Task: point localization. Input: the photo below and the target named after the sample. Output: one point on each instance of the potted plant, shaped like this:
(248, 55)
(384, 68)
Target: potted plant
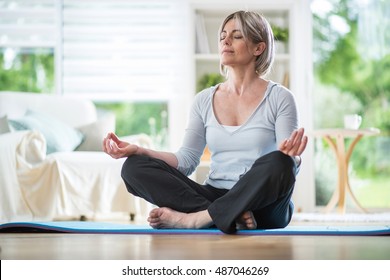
(281, 35)
(208, 80)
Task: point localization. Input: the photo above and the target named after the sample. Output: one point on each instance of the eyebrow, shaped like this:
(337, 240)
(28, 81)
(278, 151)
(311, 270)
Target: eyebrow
(233, 31)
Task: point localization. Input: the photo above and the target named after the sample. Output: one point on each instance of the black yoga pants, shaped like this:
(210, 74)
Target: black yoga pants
(266, 190)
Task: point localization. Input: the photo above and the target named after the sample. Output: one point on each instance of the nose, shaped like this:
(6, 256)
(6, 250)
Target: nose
(226, 41)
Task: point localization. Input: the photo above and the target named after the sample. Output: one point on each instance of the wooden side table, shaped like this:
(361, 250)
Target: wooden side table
(336, 139)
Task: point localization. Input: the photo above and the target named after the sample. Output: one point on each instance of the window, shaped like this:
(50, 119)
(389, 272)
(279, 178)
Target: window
(119, 49)
(107, 51)
(27, 69)
(27, 44)
(352, 56)
(126, 52)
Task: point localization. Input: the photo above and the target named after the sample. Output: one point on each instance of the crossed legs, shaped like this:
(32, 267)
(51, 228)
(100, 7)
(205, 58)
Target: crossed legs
(184, 203)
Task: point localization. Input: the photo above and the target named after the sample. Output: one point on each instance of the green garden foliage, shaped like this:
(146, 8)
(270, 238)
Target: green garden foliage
(363, 82)
(27, 70)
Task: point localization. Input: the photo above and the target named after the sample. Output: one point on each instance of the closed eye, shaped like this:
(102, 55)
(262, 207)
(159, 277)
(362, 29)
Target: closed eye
(236, 35)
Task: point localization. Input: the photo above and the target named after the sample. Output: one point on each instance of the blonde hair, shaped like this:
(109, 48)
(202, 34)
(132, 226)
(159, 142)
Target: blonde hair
(256, 29)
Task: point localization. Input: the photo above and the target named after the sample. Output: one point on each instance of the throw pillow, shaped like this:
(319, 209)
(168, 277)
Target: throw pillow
(60, 137)
(4, 127)
(95, 132)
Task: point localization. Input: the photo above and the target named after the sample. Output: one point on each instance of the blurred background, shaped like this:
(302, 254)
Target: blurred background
(136, 59)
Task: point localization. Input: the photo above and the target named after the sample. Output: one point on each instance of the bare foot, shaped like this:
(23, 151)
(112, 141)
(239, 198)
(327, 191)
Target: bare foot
(165, 217)
(246, 221)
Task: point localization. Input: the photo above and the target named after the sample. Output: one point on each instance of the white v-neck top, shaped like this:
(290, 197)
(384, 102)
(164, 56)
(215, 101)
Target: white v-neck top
(231, 128)
(235, 149)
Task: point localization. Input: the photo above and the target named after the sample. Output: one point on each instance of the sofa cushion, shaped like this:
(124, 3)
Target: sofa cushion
(94, 134)
(4, 127)
(59, 136)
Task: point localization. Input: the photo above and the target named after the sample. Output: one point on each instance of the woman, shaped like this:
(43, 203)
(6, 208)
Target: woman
(250, 126)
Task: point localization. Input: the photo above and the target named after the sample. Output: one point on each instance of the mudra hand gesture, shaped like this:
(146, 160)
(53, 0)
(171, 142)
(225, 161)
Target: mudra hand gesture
(117, 148)
(295, 145)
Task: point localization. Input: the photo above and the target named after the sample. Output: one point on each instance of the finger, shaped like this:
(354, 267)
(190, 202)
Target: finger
(114, 149)
(297, 137)
(303, 145)
(286, 146)
(292, 140)
(115, 138)
(299, 147)
(107, 146)
(106, 141)
(111, 143)
(111, 148)
(292, 137)
(300, 133)
(290, 147)
(282, 145)
(292, 151)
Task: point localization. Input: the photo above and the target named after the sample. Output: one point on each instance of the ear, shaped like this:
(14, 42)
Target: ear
(260, 47)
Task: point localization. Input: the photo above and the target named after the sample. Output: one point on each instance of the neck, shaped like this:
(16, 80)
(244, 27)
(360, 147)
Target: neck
(241, 82)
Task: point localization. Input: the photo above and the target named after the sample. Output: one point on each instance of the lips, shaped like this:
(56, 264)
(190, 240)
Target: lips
(227, 51)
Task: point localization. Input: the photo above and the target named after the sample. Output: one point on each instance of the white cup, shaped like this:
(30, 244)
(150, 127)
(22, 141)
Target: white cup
(352, 121)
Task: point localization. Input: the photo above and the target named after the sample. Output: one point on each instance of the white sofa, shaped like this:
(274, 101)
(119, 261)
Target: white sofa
(52, 165)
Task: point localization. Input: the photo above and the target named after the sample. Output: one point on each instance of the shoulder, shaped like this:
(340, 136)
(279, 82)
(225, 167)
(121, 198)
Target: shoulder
(276, 88)
(279, 92)
(205, 96)
(207, 92)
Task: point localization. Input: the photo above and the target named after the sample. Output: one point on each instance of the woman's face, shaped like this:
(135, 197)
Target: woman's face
(233, 48)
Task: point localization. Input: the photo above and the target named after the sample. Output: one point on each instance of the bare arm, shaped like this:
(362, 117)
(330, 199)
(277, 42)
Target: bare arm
(116, 148)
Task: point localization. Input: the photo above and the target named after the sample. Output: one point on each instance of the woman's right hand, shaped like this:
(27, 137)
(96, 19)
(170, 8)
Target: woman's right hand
(117, 148)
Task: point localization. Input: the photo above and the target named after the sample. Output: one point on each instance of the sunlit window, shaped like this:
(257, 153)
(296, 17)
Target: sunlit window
(123, 55)
(351, 62)
(27, 69)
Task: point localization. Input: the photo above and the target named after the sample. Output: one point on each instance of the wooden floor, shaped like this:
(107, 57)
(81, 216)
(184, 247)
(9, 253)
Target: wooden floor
(187, 247)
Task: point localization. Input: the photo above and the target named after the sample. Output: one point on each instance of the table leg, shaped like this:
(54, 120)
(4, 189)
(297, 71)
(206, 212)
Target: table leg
(343, 186)
(349, 153)
(338, 197)
(333, 201)
(343, 173)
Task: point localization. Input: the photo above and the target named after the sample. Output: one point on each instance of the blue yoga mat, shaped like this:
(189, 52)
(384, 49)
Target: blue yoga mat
(116, 228)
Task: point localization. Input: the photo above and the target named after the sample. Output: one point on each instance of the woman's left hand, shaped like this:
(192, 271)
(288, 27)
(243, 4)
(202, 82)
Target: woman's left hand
(296, 144)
